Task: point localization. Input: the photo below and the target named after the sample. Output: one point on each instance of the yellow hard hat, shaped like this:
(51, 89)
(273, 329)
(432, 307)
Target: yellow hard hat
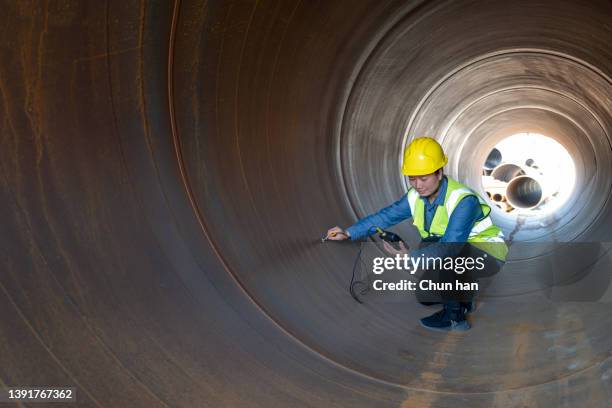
(423, 156)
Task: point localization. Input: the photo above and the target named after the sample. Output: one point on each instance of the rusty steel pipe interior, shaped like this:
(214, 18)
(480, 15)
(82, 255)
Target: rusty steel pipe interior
(168, 170)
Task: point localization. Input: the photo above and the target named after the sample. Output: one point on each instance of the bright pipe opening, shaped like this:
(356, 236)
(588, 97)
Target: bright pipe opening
(534, 174)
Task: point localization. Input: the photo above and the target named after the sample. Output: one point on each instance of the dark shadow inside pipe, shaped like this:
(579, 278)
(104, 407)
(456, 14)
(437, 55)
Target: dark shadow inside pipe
(507, 172)
(493, 159)
(524, 192)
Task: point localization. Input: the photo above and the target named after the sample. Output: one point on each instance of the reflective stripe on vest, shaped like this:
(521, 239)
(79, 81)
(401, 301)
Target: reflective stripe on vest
(484, 234)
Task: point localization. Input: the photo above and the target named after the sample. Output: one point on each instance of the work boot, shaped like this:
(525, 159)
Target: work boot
(450, 318)
(469, 306)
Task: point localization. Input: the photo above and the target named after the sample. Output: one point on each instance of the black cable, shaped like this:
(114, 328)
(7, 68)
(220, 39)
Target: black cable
(388, 236)
(357, 282)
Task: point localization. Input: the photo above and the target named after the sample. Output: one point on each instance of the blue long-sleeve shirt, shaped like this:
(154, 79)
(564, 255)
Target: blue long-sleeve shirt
(460, 223)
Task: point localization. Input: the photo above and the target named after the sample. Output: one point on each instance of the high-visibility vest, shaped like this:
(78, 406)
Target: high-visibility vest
(484, 234)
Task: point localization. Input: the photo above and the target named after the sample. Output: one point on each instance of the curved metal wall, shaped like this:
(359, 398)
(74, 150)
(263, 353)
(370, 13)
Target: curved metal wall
(168, 170)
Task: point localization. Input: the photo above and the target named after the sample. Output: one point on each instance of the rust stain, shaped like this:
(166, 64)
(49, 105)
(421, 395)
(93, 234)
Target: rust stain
(524, 328)
(519, 363)
(431, 375)
(419, 400)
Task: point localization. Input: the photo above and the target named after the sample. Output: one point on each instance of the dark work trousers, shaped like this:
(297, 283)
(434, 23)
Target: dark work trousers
(439, 285)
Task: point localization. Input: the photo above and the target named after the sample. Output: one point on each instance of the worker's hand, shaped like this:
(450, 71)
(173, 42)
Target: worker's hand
(392, 251)
(337, 234)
